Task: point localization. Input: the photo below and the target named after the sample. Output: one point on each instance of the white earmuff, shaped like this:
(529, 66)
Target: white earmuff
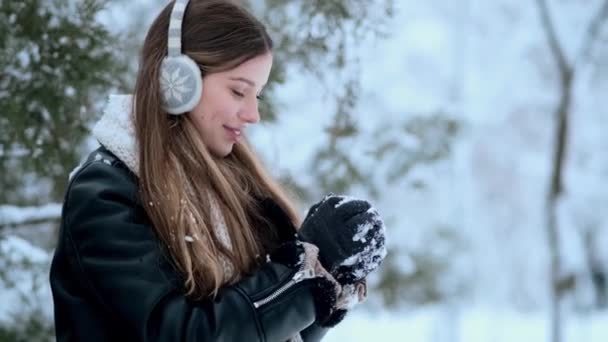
(181, 83)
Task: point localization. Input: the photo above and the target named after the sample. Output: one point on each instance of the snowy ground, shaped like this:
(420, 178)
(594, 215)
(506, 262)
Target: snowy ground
(472, 325)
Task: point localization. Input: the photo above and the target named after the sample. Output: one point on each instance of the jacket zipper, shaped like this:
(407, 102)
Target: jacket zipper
(298, 277)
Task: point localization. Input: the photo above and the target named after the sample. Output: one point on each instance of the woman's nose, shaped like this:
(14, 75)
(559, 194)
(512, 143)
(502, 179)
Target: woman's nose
(251, 114)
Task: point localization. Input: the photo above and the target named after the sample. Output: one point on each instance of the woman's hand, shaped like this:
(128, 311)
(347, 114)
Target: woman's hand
(350, 236)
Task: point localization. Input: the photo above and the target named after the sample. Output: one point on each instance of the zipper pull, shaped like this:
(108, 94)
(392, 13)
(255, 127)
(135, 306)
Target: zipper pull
(298, 277)
(305, 274)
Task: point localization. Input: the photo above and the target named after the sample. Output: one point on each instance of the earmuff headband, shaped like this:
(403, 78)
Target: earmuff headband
(175, 27)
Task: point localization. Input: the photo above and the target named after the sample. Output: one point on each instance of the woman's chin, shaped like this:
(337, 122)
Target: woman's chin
(223, 151)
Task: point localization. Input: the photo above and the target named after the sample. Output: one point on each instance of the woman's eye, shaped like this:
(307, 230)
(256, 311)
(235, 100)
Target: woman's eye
(236, 93)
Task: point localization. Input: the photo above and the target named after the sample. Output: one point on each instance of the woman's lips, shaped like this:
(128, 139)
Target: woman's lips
(233, 133)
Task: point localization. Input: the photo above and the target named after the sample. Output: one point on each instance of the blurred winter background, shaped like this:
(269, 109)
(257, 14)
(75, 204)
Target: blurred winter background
(477, 127)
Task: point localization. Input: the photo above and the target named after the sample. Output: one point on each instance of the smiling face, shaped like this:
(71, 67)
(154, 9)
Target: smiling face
(230, 102)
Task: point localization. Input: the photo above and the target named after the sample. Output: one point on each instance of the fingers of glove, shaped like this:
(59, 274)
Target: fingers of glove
(329, 203)
(337, 246)
(341, 208)
(313, 220)
(362, 227)
(342, 241)
(370, 214)
(349, 207)
(329, 195)
(327, 237)
(335, 201)
(366, 225)
(316, 234)
(315, 207)
(315, 226)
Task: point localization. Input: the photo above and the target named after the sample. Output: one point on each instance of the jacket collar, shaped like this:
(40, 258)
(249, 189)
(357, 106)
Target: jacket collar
(116, 131)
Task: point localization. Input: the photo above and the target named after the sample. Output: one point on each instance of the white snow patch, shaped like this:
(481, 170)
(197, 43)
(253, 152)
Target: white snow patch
(16, 249)
(362, 230)
(13, 215)
(24, 276)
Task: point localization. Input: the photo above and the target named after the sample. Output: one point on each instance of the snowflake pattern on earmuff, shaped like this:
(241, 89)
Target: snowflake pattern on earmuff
(173, 84)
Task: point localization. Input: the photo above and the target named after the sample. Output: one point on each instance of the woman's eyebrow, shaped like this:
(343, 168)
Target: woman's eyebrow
(242, 79)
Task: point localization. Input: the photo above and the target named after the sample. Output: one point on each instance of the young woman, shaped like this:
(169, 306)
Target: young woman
(173, 231)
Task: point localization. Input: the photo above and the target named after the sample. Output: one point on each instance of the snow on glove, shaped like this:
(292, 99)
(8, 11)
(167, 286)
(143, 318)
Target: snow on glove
(372, 234)
(350, 235)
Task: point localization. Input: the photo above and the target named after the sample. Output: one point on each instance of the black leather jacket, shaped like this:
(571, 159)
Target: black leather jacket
(111, 281)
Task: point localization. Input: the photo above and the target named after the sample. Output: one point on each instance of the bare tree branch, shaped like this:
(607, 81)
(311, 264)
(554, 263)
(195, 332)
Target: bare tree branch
(562, 112)
(556, 48)
(566, 74)
(593, 32)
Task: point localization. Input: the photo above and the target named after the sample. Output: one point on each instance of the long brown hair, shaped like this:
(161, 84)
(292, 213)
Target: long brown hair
(180, 181)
